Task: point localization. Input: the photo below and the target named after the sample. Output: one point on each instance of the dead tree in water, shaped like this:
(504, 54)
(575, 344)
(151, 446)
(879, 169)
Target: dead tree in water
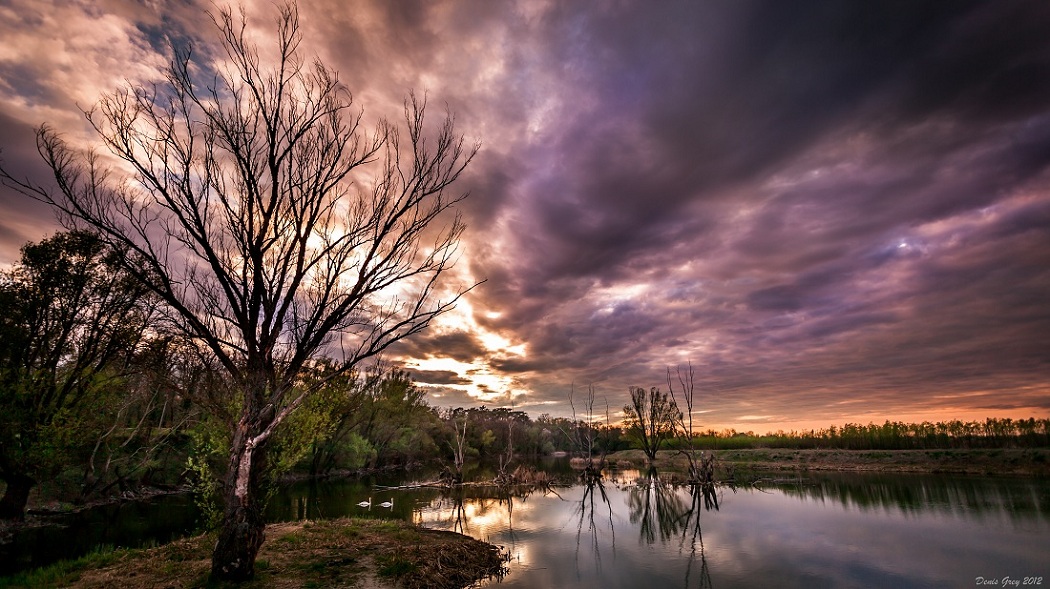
(460, 437)
(505, 459)
(701, 465)
(585, 441)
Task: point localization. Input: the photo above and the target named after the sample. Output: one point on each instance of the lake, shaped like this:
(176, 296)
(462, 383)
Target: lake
(637, 530)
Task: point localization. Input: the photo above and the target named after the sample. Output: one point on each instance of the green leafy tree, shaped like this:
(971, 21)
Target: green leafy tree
(141, 441)
(397, 419)
(70, 320)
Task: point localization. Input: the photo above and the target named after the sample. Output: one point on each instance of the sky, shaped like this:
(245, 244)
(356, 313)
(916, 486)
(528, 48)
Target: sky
(834, 211)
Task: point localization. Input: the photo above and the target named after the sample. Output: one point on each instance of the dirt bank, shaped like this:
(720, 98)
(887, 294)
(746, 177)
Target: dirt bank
(331, 553)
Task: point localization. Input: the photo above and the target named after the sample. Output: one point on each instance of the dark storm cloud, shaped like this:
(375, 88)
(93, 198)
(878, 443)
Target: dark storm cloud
(438, 377)
(458, 345)
(21, 218)
(831, 209)
(790, 81)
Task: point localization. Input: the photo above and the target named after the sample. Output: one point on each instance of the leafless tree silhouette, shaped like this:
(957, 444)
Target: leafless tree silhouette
(252, 202)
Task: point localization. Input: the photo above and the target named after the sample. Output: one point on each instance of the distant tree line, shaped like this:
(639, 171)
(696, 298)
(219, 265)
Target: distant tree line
(894, 435)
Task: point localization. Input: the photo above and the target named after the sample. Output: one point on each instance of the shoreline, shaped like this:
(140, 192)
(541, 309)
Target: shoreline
(1023, 462)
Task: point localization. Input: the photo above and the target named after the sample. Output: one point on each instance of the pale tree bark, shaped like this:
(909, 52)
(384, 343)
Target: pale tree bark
(246, 211)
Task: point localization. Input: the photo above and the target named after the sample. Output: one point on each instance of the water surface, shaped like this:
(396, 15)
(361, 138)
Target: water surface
(637, 530)
(843, 531)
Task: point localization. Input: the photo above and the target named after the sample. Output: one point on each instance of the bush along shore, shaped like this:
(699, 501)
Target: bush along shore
(982, 461)
(331, 553)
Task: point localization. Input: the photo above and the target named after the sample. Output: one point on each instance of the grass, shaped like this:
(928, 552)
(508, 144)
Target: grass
(63, 572)
(330, 553)
(1008, 461)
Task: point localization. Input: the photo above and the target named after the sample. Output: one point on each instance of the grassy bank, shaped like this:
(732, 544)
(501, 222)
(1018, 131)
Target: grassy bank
(1010, 461)
(331, 553)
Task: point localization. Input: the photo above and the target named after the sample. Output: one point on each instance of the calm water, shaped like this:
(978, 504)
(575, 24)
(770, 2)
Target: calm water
(635, 530)
(835, 532)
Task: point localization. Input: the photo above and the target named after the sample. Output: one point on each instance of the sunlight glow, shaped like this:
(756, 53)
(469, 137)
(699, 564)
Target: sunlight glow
(485, 384)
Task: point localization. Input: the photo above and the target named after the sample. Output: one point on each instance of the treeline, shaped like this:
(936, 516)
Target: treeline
(894, 435)
(487, 435)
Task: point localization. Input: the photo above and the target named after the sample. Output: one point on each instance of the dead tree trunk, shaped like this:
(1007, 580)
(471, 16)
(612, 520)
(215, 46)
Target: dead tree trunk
(244, 492)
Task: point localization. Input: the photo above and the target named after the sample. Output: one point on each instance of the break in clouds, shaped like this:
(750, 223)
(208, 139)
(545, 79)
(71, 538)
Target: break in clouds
(835, 211)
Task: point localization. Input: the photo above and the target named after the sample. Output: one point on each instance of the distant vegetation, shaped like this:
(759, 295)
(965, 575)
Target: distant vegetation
(894, 435)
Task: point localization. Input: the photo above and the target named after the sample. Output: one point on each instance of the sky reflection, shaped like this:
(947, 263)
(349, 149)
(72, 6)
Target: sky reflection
(925, 533)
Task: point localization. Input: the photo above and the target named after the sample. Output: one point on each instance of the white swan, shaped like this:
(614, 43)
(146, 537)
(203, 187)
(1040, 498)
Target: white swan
(365, 503)
(387, 504)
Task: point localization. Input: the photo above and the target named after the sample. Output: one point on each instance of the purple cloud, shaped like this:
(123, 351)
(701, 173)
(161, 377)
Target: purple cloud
(835, 211)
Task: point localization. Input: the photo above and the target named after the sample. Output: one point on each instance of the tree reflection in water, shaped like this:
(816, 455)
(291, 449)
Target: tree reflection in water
(458, 516)
(705, 494)
(507, 496)
(660, 511)
(585, 513)
(656, 507)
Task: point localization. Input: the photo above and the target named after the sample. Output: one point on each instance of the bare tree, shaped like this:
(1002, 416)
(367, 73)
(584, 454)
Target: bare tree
(584, 434)
(458, 450)
(651, 418)
(701, 465)
(508, 457)
(242, 214)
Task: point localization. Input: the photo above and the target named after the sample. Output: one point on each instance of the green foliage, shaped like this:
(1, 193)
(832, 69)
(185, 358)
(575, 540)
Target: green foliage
(210, 448)
(63, 572)
(70, 322)
(650, 418)
(372, 419)
(990, 433)
(354, 452)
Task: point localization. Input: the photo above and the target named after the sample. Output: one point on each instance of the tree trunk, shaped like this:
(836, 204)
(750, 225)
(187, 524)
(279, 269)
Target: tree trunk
(13, 503)
(242, 532)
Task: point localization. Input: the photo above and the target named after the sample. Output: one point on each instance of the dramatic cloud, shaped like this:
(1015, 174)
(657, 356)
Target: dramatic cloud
(835, 211)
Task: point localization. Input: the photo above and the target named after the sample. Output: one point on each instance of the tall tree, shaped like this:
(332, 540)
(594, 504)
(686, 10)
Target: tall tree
(650, 418)
(242, 215)
(70, 320)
